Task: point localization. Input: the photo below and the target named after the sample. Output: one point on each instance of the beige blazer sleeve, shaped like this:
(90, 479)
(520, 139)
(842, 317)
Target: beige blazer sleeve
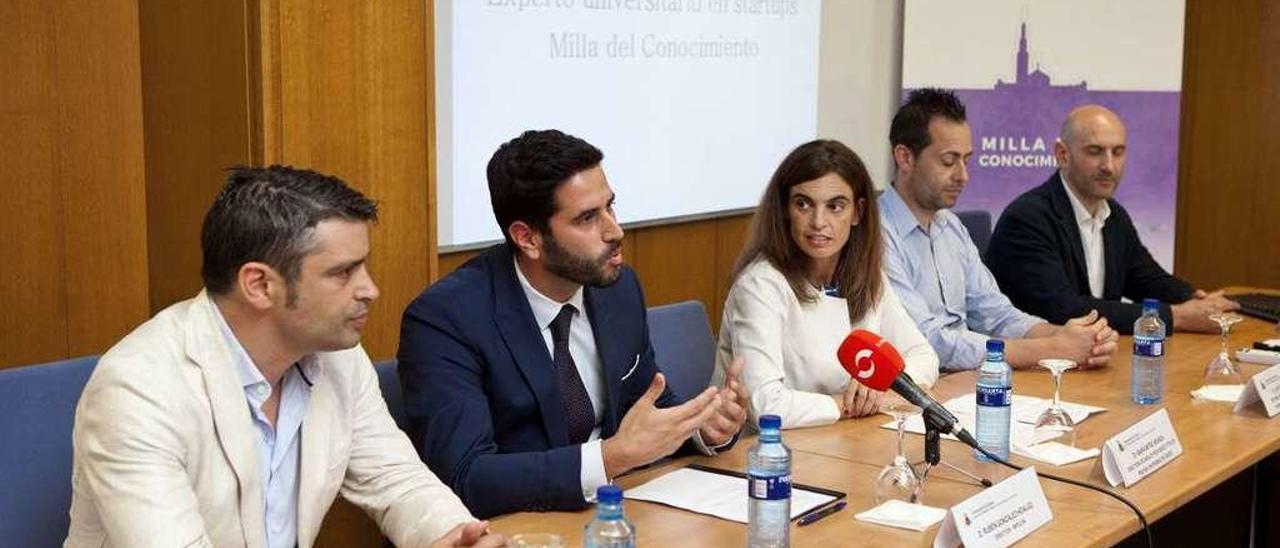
(386, 478)
(130, 455)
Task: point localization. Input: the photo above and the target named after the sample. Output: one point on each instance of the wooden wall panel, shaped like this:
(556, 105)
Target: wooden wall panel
(74, 228)
(677, 262)
(1228, 228)
(100, 155)
(354, 100)
(196, 123)
(33, 327)
(731, 234)
(451, 261)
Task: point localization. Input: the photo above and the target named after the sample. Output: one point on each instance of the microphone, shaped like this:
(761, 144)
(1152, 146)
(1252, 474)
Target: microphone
(876, 364)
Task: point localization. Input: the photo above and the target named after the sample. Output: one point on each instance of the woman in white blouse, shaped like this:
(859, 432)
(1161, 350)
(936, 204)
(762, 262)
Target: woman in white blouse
(809, 274)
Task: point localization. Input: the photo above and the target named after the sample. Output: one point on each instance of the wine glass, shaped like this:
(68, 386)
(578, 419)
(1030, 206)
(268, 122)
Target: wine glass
(1221, 370)
(1055, 423)
(898, 480)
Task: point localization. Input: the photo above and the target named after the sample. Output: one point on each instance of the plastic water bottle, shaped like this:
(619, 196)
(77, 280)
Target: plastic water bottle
(609, 529)
(769, 489)
(1146, 383)
(994, 396)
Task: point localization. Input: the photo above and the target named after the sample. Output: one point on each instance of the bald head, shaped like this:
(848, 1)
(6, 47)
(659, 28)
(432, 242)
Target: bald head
(1091, 153)
(1088, 118)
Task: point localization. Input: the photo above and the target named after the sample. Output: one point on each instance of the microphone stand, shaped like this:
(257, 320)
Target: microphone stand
(934, 425)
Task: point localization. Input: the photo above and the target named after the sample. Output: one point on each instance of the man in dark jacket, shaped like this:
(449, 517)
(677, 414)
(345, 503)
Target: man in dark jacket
(529, 377)
(1066, 246)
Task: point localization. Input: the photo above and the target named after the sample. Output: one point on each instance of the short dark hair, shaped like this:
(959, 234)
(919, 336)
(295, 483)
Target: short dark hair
(525, 172)
(267, 214)
(910, 127)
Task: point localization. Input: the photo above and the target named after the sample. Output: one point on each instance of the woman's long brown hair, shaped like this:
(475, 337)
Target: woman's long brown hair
(858, 274)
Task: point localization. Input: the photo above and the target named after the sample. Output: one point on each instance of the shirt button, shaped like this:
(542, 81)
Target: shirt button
(261, 389)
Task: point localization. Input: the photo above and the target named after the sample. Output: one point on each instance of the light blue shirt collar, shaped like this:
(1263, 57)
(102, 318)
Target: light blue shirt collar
(898, 217)
(279, 448)
(248, 372)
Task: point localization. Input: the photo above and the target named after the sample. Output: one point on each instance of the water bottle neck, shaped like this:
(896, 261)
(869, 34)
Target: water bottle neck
(995, 357)
(608, 512)
(770, 435)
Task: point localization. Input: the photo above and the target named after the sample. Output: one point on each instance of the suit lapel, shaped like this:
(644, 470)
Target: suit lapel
(314, 466)
(1066, 219)
(520, 333)
(611, 357)
(234, 427)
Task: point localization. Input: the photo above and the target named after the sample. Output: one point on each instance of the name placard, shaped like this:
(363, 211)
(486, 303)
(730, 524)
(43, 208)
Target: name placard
(1140, 450)
(998, 516)
(1264, 386)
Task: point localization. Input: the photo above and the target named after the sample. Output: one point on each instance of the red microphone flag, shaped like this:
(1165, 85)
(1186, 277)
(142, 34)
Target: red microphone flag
(870, 360)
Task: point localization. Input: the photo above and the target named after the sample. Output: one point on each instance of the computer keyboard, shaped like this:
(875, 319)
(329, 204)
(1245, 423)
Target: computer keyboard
(1259, 305)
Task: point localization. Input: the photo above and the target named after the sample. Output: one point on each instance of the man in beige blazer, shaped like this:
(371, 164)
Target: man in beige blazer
(236, 417)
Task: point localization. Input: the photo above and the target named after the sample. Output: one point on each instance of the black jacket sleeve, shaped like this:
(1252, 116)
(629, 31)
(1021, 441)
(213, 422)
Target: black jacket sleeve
(1026, 256)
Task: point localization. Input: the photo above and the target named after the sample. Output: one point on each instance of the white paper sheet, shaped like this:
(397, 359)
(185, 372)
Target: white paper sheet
(1228, 393)
(1055, 453)
(903, 515)
(1025, 411)
(714, 494)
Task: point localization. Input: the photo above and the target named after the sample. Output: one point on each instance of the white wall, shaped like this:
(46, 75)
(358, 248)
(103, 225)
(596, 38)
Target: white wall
(860, 77)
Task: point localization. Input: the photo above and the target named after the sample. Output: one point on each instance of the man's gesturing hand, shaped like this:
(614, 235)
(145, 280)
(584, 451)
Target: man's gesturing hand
(648, 433)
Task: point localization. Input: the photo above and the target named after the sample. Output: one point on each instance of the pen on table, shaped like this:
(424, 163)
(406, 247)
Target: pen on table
(820, 513)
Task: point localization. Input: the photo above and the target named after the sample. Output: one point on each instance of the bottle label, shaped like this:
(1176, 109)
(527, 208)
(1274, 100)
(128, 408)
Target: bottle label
(994, 396)
(1148, 348)
(770, 487)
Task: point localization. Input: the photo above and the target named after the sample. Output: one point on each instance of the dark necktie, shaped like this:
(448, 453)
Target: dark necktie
(578, 411)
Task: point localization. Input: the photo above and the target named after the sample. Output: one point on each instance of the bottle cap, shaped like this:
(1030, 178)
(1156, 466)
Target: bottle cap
(1150, 304)
(770, 422)
(995, 345)
(609, 494)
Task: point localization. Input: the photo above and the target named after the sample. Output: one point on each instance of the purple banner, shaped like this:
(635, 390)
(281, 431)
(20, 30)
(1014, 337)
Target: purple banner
(1016, 123)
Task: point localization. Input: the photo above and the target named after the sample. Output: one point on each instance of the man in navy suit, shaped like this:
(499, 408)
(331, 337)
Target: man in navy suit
(1067, 246)
(528, 374)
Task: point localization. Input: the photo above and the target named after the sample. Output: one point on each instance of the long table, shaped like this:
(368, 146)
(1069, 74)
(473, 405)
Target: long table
(848, 455)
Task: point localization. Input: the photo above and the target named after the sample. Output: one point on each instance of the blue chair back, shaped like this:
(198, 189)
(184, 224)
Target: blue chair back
(978, 223)
(39, 403)
(683, 346)
(389, 382)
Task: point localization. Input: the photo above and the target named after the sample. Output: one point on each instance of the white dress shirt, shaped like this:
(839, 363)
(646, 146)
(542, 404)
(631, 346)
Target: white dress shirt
(790, 346)
(582, 346)
(1091, 238)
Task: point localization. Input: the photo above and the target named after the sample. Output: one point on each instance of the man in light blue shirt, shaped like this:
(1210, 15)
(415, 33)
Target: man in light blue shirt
(933, 264)
(237, 417)
(278, 437)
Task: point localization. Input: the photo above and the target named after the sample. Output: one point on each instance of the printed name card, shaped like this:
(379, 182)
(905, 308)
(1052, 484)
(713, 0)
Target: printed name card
(998, 516)
(1140, 450)
(1264, 386)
